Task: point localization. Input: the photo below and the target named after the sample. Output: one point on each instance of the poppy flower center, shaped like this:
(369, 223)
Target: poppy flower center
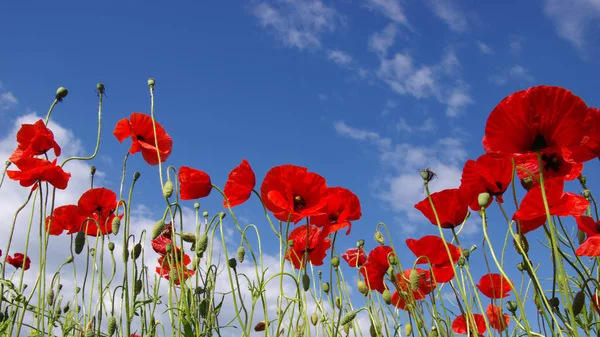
(598, 227)
(552, 162)
(539, 143)
(299, 203)
(334, 216)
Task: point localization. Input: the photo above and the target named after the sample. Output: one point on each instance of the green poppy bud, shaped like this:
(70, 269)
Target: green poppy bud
(379, 237)
(349, 317)
(326, 287)
(61, 93)
(232, 263)
(408, 329)
(116, 225)
(112, 326)
(111, 246)
(188, 237)
(362, 288)
(335, 261)
(79, 242)
(136, 176)
(158, 228)
(314, 319)
(201, 244)
(168, 189)
(578, 302)
(241, 253)
(137, 250)
(305, 281)
(387, 296)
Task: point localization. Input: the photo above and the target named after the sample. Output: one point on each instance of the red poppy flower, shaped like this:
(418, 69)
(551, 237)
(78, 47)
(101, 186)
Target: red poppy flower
(494, 286)
(555, 166)
(310, 240)
(17, 261)
(342, 207)
(532, 214)
(497, 320)
(169, 268)
(98, 204)
(239, 185)
(459, 325)
(486, 175)
(355, 257)
(159, 245)
(376, 266)
(425, 286)
(543, 118)
(140, 128)
(451, 206)
(35, 169)
(588, 225)
(64, 218)
(193, 183)
(430, 248)
(591, 149)
(292, 191)
(33, 140)
(590, 247)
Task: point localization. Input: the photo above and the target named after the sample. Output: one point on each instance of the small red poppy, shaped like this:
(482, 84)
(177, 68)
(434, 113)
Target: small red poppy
(590, 247)
(239, 185)
(355, 257)
(33, 140)
(64, 218)
(430, 248)
(451, 206)
(168, 268)
(376, 266)
(532, 213)
(17, 261)
(140, 128)
(459, 325)
(159, 245)
(486, 175)
(292, 193)
(35, 169)
(193, 183)
(342, 207)
(494, 286)
(497, 320)
(98, 204)
(310, 240)
(543, 118)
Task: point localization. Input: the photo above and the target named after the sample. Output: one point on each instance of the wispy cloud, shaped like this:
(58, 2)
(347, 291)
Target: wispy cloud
(514, 73)
(484, 48)
(339, 57)
(297, 23)
(390, 104)
(516, 45)
(7, 100)
(380, 42)
(572, 18)
(392, 9)
(428, 125)
(449, 12)
(345, 130)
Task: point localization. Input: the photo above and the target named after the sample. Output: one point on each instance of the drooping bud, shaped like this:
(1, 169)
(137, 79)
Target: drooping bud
(408, 329)
(578, 302)
(554, 302)
(362, 288)
(521, 266)
(136, 176)
(137, 287)
(335, 261)
(349, 317)
(158, 228)
(387, 296)
(338, 302)
(50, 297)
(188, 237)
(483, 199)
(512, 306)
(241, 253)
(232, 263)
(392, 260)
(414, 280)
(527, 183)
(391, 274)
(347, 329)
(201, 244)
(61, 93)
(466, 253)
(379, 237)
(79, 242)
(112, 326)
(168, 189)
(111, 246)
(305, 281)
(69, 259)
(137, 250)
(116, 225)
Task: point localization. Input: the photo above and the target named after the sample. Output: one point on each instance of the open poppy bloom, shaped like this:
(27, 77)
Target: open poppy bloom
(486, 175)
(159, 245)
(591, 246)
(543, 118)
(34, 170)
(171, 268)
(425, 286)
(376, 266)
(532, 214)
(34, 140)
(292, 193)
(355, 257)
(239, 185)
(17, 261)
(554, 165)
(497, 320)
(342, 207)
(140, 128)
(430, 248)
(308, 245)
(64, 218)
(459, 325)
(193, 183)
(98, 205)
(451, 206)
(494, 286)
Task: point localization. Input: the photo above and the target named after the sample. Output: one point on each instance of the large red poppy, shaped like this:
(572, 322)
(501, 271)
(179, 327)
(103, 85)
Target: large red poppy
(33, 140)
(310, 240)
(543, 118)
(291, 192)
(355, 257)
(532, 213)
(374, 270)
(459, 325)
(34, 170)
(486, 175)
(494, 286)
(193, 183)
(451, 206)
(431, 248)
(239, 185)
(140, 128)
(64, 218)
(170, 268)
(342, 207)
(17, 261)
(497, 320)
(98, 204)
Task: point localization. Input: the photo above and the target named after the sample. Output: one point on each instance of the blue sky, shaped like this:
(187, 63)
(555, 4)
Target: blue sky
(365, 93)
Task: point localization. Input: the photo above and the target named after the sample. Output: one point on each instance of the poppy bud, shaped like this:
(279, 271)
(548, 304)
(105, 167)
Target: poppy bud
(392, 260)
(69, 259)
(586, 193)
(511, 306)
(414, 280)
(168, 189)
(523, 242)
(137, 289)
(580, 237)
(196, 205)
(427, 175)
(222, 215)
(360, 243)
(79, 242)
(112, 326)
(314, 319)
(408, 329)
(461, 261)
(433, 332)
(582, 179)
(100, 87)
(391, 274)
(77, 290)
(241, 253)
(338, 302)
(326, 287)
(305, 281)
(374, 331)
(50, 297)
(527, 183)
(92, 170)
(260, 326)
(66, 308)
(61, 93)
(349, 317)
(111, 246)
(379, 237)
(93, 252)
(335, 261)
(347, 329)
(466, 253)
(137, 250)
(387, 296)
(116, 224)
(188, 237)
(158, 228)
(554, 302)
(232, 263)
(362, 288)
(578, 302)
(201, 244)
(483, 199)
(151, 82)
(136, 176)
(521, 266)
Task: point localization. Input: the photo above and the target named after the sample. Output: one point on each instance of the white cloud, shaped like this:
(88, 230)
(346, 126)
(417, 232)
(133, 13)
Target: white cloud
(297, 23)
(450, 13)
(390, 104)
(484, 48)
(339, 57)
(573, 18)
(428, 125)
(345, 130)
(516, 45)
(514, 73)
(392, 9)
(459, 98)
(380, 42)
(7, 100)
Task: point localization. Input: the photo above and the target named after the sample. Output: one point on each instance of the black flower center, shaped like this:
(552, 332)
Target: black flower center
(299, 203)
(334, 216)
(552, 162)
(539, 143)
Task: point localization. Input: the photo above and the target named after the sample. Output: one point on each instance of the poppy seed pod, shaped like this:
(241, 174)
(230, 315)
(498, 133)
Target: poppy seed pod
(151, 82)
(196, 205)
(582, 179)
(100, 87)
(360, 243)
(204, 213)
(466, 253)
(232, 263)
(511, 306)
(136, 176)
(111, 246)
(427, 175)
(335, 261)
(61, 93)
(483, 199)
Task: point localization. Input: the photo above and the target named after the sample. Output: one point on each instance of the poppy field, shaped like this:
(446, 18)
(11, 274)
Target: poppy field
(212, 277)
